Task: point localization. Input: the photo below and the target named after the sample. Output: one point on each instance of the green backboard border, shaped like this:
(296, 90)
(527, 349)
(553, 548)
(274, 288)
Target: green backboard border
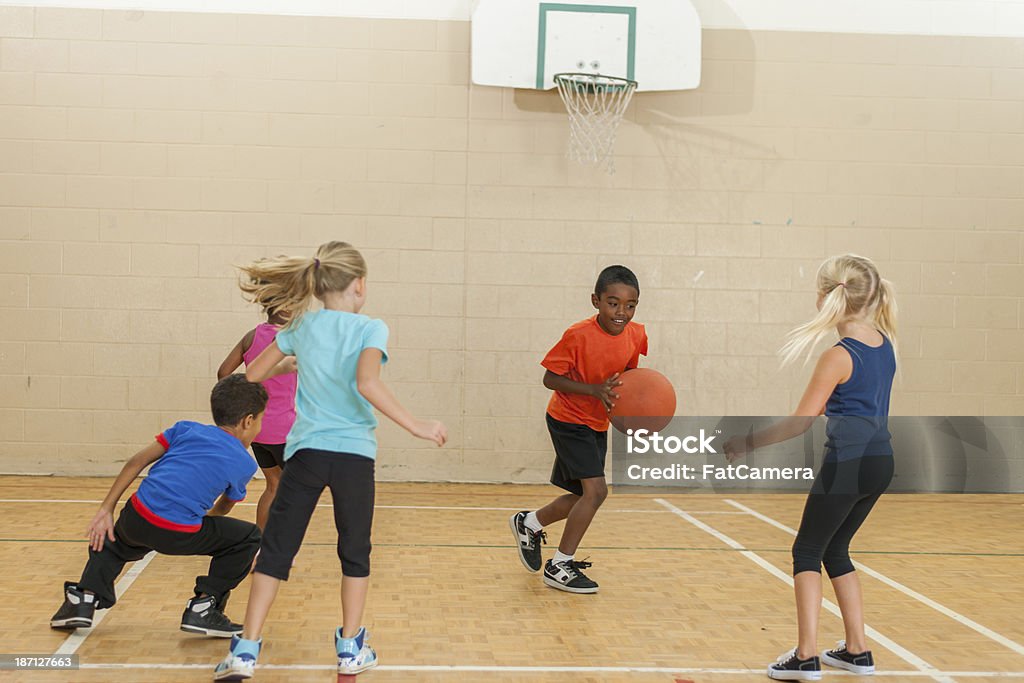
(542, 29)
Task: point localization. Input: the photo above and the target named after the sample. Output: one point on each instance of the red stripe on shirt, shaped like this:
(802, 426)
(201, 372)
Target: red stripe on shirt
(162, 440)
(158, 521)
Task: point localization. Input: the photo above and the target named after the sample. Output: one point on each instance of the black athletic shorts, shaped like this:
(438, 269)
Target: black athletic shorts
(579, 454)
(268, 454)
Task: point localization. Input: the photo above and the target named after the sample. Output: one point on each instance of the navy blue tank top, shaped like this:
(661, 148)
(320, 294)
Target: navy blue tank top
(858, 409)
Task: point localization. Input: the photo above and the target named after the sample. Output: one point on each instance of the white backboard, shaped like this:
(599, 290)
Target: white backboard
(523, 43)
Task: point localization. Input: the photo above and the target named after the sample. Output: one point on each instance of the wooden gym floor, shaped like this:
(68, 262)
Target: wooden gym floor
(693, 588)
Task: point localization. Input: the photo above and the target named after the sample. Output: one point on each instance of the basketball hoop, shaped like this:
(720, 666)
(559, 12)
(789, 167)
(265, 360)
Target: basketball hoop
(596, 105)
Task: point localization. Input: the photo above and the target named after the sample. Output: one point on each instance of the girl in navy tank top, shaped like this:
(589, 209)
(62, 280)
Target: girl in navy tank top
(850, 386)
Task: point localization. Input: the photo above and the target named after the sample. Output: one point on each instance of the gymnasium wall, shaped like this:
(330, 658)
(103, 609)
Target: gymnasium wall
(143, 154)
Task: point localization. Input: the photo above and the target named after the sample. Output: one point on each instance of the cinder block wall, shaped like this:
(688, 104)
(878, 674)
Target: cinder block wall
(144, 154)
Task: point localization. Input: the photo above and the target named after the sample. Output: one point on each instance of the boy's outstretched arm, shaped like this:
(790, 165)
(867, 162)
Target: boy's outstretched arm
(373, 389)
(102, 525)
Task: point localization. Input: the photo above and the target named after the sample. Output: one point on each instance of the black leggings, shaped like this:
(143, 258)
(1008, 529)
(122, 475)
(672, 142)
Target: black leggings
(841, 497)
(309, 471)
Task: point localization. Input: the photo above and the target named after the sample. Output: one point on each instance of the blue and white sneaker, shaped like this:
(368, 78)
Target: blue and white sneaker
(240, 662)
(354, 654)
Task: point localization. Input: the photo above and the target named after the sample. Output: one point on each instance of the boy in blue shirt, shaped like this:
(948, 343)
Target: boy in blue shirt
(199, 472)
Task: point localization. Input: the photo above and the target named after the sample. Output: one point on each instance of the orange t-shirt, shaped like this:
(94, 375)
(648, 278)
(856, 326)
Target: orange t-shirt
(588, 354)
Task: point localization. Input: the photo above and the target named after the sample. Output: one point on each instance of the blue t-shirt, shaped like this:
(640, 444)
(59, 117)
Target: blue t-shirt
(201, 462)
(330, 413)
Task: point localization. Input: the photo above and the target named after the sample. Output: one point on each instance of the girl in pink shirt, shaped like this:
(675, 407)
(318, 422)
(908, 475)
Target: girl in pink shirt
(268, 447)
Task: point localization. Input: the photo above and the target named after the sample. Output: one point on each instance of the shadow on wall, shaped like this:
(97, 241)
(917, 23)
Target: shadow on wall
(677, 127)
(728, 73)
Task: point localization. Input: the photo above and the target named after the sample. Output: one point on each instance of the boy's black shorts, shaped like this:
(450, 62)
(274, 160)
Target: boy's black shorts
(268, 454)
(579, 454)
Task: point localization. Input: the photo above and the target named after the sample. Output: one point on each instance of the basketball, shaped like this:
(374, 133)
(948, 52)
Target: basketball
(647, 400)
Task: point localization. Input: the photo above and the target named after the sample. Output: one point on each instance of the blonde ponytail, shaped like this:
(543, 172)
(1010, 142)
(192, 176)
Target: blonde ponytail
(288, 284)
(849, 286)
(804, 338)
(886, 312)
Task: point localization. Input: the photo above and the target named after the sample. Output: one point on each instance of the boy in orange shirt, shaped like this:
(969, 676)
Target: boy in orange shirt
(583, 370)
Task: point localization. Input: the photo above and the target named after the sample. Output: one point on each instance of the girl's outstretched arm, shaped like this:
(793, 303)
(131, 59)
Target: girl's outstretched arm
(270, 363)
(373, 389)
(834, 367)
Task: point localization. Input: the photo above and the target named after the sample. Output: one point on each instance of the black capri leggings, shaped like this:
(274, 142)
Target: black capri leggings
(309, 471)
(841, 497)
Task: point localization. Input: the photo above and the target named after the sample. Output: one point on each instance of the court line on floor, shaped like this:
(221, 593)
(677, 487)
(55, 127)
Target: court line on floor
(720, 549)
(426, 668)
(894, 647)
(471, 546)
(892, 583)
(384, 507)
(78, 636)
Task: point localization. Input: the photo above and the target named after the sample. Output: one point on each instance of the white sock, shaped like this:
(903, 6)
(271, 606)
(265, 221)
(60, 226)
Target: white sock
(532, 523)
(561, 557)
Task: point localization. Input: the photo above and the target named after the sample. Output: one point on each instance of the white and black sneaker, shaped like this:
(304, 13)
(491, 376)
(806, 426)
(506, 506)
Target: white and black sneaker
(77, 610)
(841, 658)
(568, 576)
(789, 667)
(527, 541)
(203, 615)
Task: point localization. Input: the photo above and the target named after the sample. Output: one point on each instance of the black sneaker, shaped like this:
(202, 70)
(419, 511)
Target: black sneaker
(77, 610)
(527, 541)
(789, 667)
(203, 615)
(841, 658)
(568, 576)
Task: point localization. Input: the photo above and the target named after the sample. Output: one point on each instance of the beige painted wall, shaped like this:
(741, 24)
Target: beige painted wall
(143, 154)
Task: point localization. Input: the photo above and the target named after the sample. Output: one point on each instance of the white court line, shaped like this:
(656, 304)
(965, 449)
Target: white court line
(942, 609)
(78, 636)
(903, 653)
(555, 669)
(384, 507)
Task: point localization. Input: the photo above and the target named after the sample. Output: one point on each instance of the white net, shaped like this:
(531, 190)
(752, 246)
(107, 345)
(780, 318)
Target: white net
(596, 105)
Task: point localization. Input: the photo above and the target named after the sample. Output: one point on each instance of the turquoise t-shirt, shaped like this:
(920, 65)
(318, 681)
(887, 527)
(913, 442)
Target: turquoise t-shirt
(330, 413)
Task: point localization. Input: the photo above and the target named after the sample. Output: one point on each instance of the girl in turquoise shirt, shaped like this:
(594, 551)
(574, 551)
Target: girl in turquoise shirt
(332, 444)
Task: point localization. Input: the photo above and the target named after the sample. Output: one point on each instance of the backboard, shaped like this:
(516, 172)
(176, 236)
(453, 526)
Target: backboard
(523, 43)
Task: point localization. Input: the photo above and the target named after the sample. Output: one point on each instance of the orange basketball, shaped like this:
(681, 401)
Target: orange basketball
(646, 400)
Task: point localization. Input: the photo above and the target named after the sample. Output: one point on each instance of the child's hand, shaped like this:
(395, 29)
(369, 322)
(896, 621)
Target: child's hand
(606, 391)
(431, 430)
(735, 447)
(100, 529)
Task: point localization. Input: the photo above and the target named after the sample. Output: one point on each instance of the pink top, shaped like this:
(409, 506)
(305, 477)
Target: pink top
(280, 415)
